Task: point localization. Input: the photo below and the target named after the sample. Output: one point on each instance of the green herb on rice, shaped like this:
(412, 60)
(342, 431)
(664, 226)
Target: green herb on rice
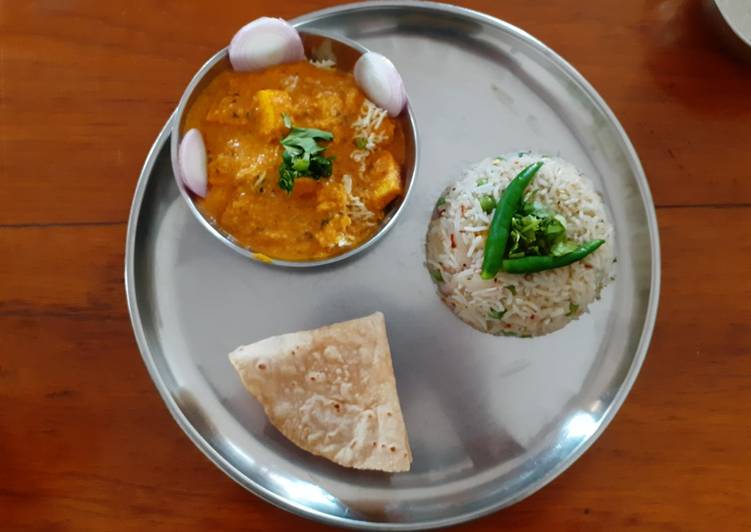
(487, 203)
(524, 236)
(496, 314)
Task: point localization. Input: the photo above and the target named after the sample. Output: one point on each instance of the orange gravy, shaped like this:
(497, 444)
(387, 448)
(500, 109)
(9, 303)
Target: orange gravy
(240, 117)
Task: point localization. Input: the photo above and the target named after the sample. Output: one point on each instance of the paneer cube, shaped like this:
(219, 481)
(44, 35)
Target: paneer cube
(387, 181)
(334, 232)
(270, 104)
(332, 197)
(328, 110)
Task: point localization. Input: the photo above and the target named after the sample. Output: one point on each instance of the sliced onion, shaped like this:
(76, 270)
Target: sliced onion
(381, 82)
(191, 156)
(263, 43)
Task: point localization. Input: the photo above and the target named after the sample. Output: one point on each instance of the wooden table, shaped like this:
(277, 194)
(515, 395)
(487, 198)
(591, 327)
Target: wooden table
(85, 441)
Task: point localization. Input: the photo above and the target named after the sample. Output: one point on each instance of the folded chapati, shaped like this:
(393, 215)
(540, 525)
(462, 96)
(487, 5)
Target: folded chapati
(332, 392)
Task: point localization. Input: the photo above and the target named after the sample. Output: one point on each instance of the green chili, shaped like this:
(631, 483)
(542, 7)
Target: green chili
(537, 264)
(508, 204)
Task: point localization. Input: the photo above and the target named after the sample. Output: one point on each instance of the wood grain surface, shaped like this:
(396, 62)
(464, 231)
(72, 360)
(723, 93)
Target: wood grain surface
(85, 441)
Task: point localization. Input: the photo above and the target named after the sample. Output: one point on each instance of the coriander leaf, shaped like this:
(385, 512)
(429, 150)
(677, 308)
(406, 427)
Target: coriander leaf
(286, 178)
(496, 314)
(564, 247)
(436, 275)
(301, 164)
(303, 156)
(300, 134)
(572, 308)
(537, 231)
(552, 229)
(321, 166)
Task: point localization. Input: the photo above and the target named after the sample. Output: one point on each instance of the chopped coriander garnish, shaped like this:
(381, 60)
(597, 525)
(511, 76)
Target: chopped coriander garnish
(303, 156)
(436, 275)
(561, 248)
(572, 309)
(537, 231)
(482, 181)
(508, 333)
(441, 201)
(496, 314)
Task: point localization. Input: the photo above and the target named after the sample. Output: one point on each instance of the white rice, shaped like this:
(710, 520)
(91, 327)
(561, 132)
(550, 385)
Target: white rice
(531, 304)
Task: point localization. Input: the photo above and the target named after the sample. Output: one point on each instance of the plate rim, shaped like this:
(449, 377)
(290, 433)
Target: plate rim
(302, 510)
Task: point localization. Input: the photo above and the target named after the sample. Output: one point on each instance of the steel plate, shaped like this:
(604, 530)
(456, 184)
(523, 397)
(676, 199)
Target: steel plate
(490, 419)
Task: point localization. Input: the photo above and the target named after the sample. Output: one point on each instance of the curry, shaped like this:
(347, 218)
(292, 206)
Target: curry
(244, 117)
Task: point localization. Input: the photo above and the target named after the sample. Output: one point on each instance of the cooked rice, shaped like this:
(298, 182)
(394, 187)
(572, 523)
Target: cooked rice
(531, 304)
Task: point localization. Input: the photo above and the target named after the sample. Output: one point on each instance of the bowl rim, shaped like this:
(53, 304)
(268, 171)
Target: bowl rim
(175, 137)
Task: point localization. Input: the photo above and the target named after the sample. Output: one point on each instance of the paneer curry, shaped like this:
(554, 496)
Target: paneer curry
(308, 199)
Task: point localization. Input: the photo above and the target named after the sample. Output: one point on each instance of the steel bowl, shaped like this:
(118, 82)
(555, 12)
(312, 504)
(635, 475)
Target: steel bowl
(346, 52)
